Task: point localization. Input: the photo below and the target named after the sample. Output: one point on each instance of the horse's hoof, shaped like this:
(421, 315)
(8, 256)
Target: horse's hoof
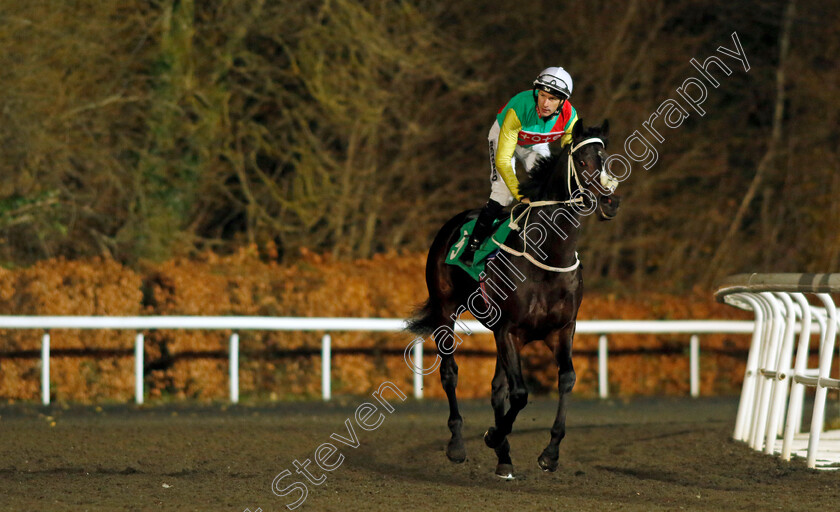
(489, 438)
(455, 451)
(505, 471)
(547, 464)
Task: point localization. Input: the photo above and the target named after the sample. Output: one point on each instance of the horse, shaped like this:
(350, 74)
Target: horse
(535, 295)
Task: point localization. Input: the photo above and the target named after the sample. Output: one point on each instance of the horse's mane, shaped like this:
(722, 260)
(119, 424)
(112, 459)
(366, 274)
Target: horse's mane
(545, 184)
(548, 177)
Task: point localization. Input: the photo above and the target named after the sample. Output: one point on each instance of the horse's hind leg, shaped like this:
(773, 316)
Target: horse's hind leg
(504, 468)
(561, 344)
(455, 450)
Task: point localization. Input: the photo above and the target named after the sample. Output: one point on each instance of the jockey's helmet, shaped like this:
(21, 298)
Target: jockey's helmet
(554, 81)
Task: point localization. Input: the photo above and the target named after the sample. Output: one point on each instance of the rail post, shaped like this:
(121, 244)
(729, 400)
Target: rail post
(418, 376)
(234, 368)
(694, 364)
(603, 381)
(138, 368)
(45, 368)
(326, 351)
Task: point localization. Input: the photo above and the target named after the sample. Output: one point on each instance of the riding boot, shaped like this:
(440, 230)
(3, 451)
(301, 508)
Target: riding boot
(483, 226)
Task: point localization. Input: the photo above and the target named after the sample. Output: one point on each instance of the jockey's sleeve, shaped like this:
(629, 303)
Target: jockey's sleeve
(567, 137)
(508, 137)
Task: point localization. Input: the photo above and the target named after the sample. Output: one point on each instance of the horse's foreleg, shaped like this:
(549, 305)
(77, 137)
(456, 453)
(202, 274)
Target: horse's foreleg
(508, 355)
(561, 343)
(497, 400)
(499, 391)
(455, 450)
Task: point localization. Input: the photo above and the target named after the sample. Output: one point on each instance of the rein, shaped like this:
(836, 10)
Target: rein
(514, 223)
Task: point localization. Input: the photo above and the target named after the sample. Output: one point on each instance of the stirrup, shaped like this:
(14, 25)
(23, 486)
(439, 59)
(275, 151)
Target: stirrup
(469, 252)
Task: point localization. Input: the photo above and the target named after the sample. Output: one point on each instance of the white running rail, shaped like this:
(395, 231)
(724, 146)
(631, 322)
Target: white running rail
(777, 373)
(240, 323)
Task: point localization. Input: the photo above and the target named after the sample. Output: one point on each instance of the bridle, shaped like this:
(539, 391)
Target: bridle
(605, 178)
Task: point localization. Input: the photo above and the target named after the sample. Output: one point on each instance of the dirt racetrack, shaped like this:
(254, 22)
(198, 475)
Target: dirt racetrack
(645, 454)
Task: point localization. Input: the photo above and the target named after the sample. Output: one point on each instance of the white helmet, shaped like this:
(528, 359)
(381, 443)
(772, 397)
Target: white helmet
(555, 81)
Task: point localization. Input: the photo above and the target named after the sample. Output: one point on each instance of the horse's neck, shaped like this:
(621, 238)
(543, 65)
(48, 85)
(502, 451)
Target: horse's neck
(564, 224)
(560, 225)
(562, 178)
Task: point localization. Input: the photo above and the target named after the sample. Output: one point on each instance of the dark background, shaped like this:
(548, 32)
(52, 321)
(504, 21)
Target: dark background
(146, 130)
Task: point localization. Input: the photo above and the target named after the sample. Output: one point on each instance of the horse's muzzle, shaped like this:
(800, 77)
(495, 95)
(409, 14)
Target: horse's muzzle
(608, 207)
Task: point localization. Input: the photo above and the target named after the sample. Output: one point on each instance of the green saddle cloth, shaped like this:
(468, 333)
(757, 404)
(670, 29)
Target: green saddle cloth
(488, 247)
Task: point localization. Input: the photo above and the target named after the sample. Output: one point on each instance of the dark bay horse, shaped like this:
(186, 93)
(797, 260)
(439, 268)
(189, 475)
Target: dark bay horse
(532, 289)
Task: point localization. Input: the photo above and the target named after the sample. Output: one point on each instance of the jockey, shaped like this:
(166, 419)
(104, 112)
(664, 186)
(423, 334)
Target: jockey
(521, 133)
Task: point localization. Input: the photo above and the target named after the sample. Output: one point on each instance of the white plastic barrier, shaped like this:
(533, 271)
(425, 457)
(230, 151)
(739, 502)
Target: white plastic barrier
(234, 323)
(772, 397)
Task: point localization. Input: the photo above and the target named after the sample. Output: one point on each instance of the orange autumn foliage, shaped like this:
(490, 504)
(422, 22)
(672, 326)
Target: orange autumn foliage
(92, 365)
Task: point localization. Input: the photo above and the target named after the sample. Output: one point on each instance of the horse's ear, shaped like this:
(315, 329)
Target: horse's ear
(577, 130)
(605, 127)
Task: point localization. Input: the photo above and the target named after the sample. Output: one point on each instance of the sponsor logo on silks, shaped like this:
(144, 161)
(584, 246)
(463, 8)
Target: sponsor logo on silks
(528, 138)
(493, 173)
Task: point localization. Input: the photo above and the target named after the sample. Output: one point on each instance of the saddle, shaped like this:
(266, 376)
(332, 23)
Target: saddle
(485, 252)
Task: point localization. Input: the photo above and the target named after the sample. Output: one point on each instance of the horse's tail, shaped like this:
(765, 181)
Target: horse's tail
(426, 318)
(431, 314)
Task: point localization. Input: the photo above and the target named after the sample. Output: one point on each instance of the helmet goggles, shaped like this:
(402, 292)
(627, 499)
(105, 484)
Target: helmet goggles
(553, 85)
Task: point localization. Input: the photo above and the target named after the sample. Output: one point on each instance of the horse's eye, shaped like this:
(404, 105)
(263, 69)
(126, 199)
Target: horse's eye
(582, 163)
